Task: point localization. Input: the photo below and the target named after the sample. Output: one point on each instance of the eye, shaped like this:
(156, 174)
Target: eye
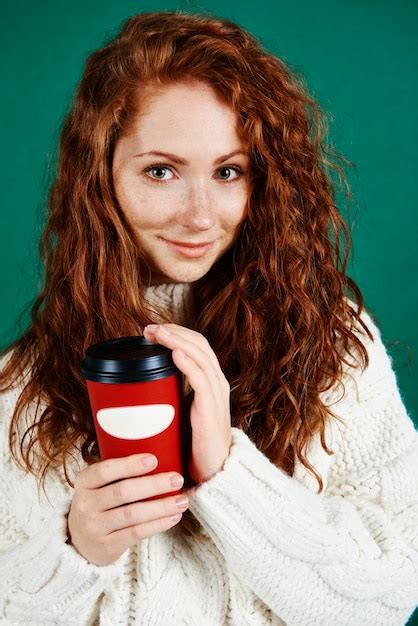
(229, 168)
(161, 167)
(158, 167)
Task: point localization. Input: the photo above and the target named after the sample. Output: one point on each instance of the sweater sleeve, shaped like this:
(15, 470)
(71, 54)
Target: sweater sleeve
(42, 579)
(348, 556)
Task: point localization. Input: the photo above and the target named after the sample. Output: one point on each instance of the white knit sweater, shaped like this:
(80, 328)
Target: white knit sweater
(272, 551)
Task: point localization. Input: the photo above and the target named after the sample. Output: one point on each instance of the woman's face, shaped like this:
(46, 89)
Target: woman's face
(197, 194)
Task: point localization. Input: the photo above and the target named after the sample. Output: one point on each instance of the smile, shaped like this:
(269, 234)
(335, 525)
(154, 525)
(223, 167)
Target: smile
(188, 250)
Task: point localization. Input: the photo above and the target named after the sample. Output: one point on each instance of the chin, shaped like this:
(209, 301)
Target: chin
(179, 277)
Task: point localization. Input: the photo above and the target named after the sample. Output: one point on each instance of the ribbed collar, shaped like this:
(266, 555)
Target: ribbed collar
(174, 299)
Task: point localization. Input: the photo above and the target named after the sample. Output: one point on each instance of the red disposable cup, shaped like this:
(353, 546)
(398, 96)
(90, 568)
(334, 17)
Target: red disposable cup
(136, 397)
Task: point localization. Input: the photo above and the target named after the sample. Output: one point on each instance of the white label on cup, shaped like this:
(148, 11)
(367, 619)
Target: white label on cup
(136, 422)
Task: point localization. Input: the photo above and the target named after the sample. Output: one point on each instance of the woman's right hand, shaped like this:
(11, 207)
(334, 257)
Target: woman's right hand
(106, 519)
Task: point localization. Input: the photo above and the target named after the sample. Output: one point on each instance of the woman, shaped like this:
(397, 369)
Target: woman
(302, 481)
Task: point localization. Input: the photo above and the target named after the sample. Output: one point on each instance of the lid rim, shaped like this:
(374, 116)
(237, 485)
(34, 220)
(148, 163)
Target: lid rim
(131, 377)
(106, 358)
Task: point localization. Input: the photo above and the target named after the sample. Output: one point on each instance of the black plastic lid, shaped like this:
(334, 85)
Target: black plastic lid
(127, 359)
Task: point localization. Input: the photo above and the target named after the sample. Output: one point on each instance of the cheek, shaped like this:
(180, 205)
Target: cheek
(235, 215)
(143, 208)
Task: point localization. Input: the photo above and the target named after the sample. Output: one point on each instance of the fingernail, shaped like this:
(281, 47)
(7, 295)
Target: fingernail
(148, 461)
(177, 480)
(151, 327)
(182, 502)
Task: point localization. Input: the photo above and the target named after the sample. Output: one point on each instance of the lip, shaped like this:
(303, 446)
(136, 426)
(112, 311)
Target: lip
(190, 250)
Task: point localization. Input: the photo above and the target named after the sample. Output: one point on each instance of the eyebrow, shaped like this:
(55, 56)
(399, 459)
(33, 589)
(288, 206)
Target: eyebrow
(181, 161)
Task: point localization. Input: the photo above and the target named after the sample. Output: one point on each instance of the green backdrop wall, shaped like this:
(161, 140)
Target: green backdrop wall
(358, 58)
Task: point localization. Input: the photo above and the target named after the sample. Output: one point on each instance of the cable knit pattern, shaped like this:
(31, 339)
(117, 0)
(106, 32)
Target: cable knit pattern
(175, 299)
(271, 551)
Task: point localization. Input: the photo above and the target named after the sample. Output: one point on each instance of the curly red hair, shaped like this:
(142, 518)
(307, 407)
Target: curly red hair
(272, 307)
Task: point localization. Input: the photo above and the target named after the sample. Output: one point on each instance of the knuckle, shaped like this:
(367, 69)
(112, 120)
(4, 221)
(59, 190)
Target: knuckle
(102, 472)
(82, 506)
(138, 531)
(118, 491)
(129, 514)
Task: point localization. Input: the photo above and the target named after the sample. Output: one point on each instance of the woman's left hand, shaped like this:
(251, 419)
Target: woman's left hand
(210, 416)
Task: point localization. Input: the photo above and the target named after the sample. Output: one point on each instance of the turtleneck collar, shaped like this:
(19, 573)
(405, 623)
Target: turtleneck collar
(174, 299)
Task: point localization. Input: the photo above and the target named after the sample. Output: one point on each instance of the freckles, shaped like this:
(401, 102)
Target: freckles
(143, 206)
(153, 215)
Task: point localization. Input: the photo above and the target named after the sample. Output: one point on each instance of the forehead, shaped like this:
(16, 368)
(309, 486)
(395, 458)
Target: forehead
(190, 109)
(187, 120)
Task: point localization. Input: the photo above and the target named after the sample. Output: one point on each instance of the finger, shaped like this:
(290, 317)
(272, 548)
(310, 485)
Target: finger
(204, 386)
(189, 335)
(121, 540)
(131, 490)
(197, 339)
(109, 470)
(203, 360)
(140, 513)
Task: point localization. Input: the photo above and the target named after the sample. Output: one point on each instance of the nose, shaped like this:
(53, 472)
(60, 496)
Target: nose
(197, 209)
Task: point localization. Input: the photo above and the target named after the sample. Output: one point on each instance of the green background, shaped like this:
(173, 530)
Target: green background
(358, 59)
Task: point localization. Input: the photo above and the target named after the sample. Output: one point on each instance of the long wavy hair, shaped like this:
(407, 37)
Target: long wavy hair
(275, 308)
